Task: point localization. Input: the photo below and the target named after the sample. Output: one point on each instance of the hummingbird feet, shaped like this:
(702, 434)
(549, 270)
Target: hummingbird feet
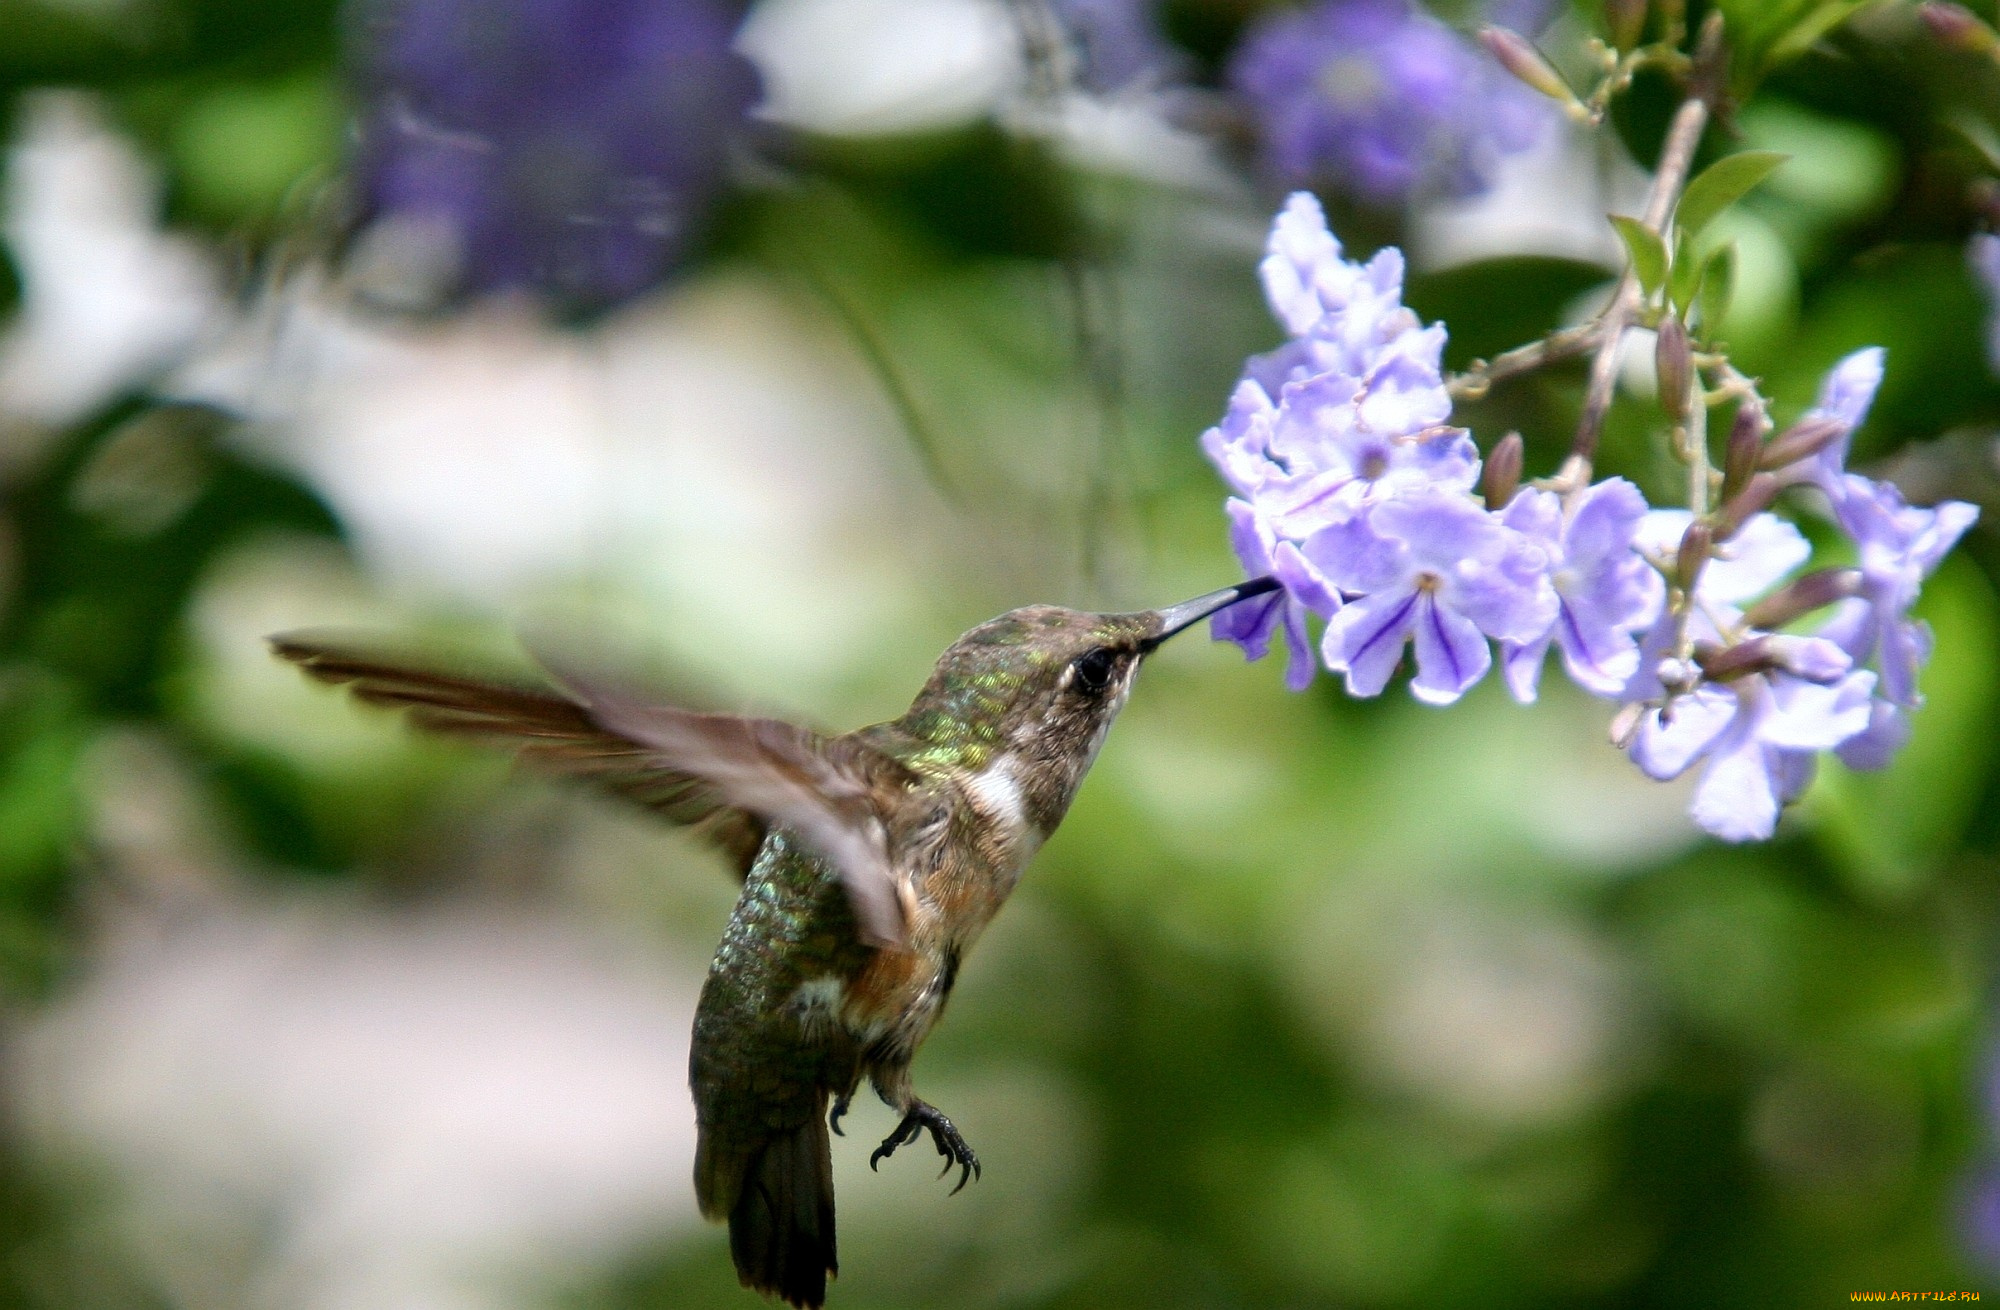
(919, 1117)
(835, 1115)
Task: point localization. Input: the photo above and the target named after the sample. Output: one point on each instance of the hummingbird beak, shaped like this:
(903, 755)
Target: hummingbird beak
(1179, 618)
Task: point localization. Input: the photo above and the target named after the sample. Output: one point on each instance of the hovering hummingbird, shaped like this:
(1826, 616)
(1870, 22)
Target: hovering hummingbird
(871, 862)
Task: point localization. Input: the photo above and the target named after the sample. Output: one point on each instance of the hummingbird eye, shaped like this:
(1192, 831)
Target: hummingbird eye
(1092, 671)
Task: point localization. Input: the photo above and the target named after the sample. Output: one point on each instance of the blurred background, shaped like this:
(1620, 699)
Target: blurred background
(767, 349)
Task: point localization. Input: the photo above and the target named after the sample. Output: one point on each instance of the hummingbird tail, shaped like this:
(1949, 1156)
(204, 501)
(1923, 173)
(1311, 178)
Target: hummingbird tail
(781, 1218)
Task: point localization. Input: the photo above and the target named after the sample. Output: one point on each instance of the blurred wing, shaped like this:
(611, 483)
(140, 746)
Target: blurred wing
(830, 792)
(549, 731)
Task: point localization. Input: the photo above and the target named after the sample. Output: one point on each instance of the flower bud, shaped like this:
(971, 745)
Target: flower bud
(1626, 21)
(1502, 476)
(1673, 359)
(1804, 439)
(1802, 596)
(1521, 59)
(1754, 499)
(1746, 444)
(1696, 543)
(1957, 27)
(1812, 658)
(1625, 723)
(1677, 676)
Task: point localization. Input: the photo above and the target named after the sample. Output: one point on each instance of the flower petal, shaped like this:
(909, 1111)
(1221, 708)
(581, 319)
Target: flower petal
(1451, 653)
(1300, 244)
(1308, 586)
(1365, 640)
(1521, 666)
(1874, 746)
(1299, 663)
(1737, 799)
(1666, 745)
(1804, 715)
(1601, 528)
(1599, 655)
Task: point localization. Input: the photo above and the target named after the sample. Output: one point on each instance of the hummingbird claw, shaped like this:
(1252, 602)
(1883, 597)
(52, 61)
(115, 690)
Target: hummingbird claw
(920, 1118)
(835, 1115)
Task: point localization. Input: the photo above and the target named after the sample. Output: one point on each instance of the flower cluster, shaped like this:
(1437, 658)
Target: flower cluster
(1381, 99)
(567, 149)
(1355, 492)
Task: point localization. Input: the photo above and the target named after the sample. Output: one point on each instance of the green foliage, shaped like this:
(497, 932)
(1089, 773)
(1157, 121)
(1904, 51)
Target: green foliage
(1721, 185)
(1648, 252)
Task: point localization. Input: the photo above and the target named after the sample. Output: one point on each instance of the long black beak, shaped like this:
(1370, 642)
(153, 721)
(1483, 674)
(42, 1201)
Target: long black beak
(1181, 617)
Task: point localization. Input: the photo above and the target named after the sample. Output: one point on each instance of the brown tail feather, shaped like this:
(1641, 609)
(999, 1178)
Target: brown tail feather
(781, 1215)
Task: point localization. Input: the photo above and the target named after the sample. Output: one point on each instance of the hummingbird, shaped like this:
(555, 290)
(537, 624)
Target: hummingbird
(871, 862)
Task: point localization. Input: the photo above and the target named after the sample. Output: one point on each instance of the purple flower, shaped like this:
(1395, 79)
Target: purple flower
(1117, 43)
(1354, 405)
(566, 147)
(1251, 623)
(1606, 588)
(1431, 568)
(1983, 253)
(1349, 413)
(1377, 97)
(1750, 563)
(1759, 735)
(1845, 397)
(1354, 309)
(1900, 545)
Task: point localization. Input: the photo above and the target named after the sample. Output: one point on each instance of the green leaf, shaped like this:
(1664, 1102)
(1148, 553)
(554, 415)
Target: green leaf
(1649, 253)
(1803, 35)
(1717, 285)
(1685, 278)
(1721, 185)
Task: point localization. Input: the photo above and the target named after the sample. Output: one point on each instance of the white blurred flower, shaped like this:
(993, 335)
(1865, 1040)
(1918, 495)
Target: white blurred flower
(868, 67)
(322, 1110)
(107, 299)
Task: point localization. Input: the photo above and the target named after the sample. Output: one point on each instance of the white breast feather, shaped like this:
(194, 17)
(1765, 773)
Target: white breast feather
(995, 792)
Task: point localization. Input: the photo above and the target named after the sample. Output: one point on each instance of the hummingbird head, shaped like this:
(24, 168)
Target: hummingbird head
(1026, 699)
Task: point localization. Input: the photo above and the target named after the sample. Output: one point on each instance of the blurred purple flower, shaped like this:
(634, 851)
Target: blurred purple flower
(1983, 253)
(1752, 562)
(1378, 98)
(1900, 546)
(1430, 567)
(1845, 396)
(1982, 1217)
(1117, 43)
(1760, 736)
(568, 147)
(1607, 590)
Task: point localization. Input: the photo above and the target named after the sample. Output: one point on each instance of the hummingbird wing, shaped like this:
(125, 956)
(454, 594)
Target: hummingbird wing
(724, 776)
(829, 791)
(549, 731)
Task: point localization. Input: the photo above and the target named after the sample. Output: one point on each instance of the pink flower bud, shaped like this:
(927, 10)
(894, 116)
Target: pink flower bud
(1746, 446)
(1503, 471)
(1696, 543)
(1957, 27)
(1673, 359)
(1520, 58)
(1804, 439)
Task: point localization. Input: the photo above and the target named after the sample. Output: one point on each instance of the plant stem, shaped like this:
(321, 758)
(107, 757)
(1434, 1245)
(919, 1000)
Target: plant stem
(1676, 156)
(1476, 381)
